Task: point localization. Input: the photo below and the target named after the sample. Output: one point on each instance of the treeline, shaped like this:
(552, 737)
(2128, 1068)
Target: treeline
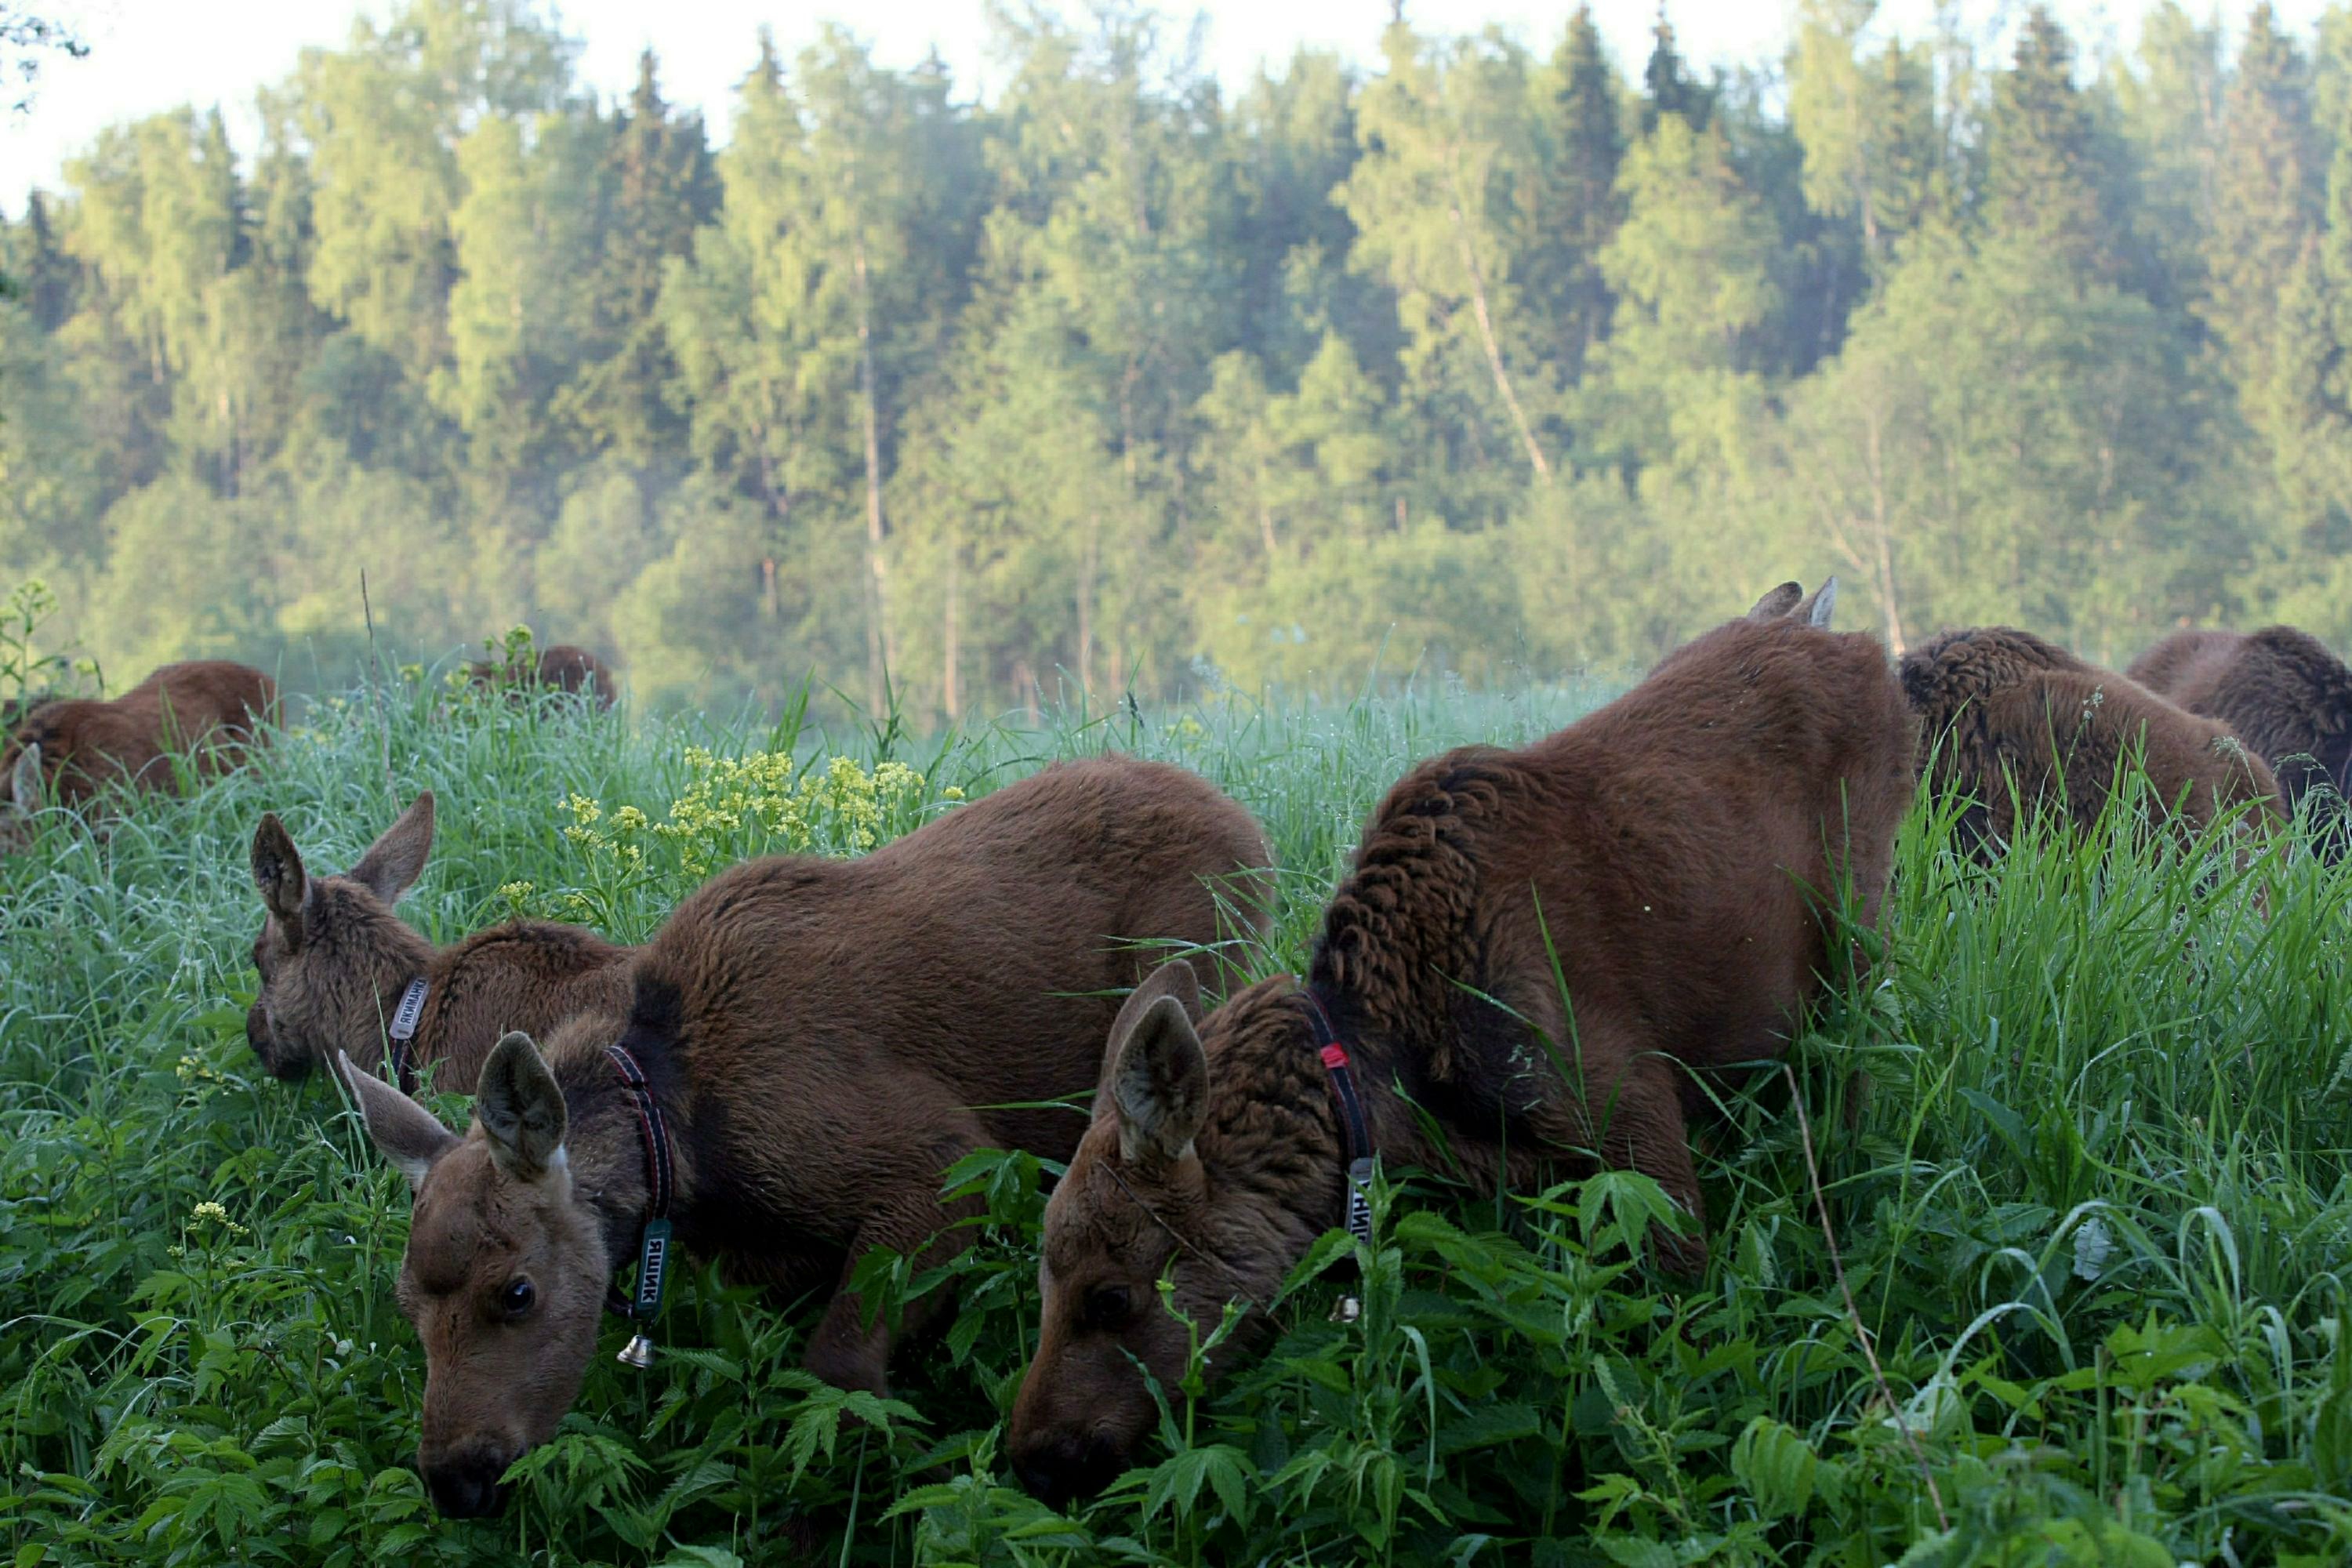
(1498, 356)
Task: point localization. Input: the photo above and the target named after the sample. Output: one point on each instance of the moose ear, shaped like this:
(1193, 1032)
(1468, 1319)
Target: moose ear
(24, 778)
(410, 1136)
(395, 860)
(277, 872)
(1176, 979)
(1158, 1084)
(1777, 603)
(1815, 611)
(520, 1107)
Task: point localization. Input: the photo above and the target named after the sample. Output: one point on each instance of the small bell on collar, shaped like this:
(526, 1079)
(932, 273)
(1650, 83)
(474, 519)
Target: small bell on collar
(638, 1353)
(1349, 1310)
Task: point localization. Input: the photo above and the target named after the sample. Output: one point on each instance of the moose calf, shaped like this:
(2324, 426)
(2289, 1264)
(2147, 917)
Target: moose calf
(2019, 723)
(811, 1043)
(2283, 693)
(1679, 854)
(65, 752)
(341, 973)
(560, 668)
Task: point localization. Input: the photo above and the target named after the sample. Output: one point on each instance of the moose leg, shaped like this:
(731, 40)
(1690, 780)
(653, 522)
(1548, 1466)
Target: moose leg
(1645, 1131)
(1637, 1122)
(901, 1214)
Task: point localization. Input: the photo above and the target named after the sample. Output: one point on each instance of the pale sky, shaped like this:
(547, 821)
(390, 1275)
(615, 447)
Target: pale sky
(152, 55)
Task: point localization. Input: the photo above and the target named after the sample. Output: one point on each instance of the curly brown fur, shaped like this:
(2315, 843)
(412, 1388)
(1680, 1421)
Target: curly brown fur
(826, 1037)
(2019, 724)
(2283, 693)
(1675, 852)
(65, 752)
(559, 667)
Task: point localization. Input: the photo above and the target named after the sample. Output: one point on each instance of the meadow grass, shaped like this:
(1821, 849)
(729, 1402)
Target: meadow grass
(2091, 1211)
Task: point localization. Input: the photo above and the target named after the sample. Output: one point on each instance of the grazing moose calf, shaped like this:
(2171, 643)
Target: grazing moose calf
(2284, 694)
(341, 973)
(811, 1044)
(2018, 722)
(1675, 850)
(561, 668)
(64, 752)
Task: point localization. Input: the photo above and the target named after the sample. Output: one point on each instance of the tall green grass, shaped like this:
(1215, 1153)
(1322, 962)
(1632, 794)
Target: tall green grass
(2091, 1211)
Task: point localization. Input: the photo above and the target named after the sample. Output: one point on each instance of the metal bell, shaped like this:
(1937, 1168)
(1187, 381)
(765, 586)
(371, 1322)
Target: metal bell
(1348, 1310)
(638, 1353)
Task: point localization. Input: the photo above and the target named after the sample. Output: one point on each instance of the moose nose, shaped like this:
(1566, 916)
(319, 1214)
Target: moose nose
(466, 1486)
(1066, 1469)
(285, 1065)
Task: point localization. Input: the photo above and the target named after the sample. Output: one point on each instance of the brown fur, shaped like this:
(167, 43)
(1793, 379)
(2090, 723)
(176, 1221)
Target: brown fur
(826, 1037)
(1667, 842)
(561, 668)
(334, 960)
(209, 709)
(1998, 704)
(2283, 693)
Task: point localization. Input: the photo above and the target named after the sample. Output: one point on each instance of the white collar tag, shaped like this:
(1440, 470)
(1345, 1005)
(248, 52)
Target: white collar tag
(411, 1009)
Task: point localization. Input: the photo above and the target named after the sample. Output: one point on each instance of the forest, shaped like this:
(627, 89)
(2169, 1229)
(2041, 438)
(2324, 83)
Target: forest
(1497, 357)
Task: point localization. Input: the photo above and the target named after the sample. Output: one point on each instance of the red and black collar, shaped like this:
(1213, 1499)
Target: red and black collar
(1354, 1131)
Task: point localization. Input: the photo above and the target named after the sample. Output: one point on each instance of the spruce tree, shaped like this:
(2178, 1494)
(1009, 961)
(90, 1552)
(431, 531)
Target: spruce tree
(2267, 194)
(43, 277)
(1582, 205)
(1666, 84)
(2043, 175)
(658, 188)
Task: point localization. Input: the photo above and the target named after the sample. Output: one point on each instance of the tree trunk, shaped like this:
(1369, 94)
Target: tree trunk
(949, 630)
(1881, 530)
(1088, 555)
(879, 651)
(1485, 321)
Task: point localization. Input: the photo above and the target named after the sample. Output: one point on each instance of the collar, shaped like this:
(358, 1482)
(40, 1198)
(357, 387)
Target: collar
(1353, 1129)
(404, 1019)
(652, 1236)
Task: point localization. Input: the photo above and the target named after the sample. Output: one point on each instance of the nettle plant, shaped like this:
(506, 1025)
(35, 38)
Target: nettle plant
(26, 674)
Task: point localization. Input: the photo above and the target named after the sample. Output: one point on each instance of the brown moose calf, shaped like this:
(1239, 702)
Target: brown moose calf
(809, 1044)
(2282, 692)
(559, 667)
(65, 752)
(341, 973)
(1680, 851)
(2020, 724)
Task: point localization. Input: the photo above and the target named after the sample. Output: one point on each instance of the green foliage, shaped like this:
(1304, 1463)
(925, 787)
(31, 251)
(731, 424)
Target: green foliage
(1499, 355)
(27, 673)
(2091, 1213)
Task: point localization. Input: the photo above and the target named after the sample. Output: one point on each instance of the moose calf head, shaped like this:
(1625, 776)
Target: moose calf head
(333, 958)
(504, 1274)
(1145, 1198)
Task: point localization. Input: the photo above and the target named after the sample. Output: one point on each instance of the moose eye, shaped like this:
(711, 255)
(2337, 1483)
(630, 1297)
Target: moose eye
(1106, 1306)
(518, 1298)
